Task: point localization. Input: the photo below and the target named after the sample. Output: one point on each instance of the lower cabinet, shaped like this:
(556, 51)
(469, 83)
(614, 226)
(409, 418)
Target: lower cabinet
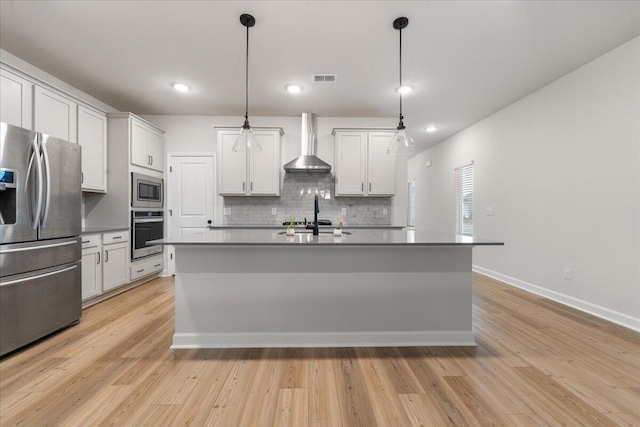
(145, 268)
(91, 266)
(114, 268)
(104, 262)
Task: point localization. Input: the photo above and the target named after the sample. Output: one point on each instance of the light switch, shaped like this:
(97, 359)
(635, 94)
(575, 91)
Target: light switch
(274, 211)
(488, 211)
(227, 211)
(344, 211)
(384, 211)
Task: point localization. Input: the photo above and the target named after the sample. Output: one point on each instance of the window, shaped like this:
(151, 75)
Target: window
(464, 200)
(411, 208)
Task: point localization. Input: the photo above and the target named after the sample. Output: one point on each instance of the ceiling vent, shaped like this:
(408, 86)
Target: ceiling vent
(325, 78)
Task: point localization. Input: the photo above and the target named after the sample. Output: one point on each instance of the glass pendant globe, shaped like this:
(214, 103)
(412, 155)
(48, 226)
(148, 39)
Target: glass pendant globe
(401, 143)
(246, 141)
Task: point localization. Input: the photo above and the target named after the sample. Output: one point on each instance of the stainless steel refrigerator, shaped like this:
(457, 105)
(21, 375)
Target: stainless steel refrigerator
(40, 246)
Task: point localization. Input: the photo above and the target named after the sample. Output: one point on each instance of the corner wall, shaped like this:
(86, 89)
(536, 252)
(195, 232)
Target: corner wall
(561, 168)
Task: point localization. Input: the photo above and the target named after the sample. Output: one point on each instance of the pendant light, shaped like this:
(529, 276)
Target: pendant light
(246, 141)
(401, 142)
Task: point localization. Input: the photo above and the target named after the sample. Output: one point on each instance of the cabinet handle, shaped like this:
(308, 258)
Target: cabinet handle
(81, 177)
(362, 186)
(85, 241)
(116, 237)
(157, 265)
(140, 271)
(369, 186)
(244, 186)
(98, 258)
(151, 160)
(251, 185)
(106, 256)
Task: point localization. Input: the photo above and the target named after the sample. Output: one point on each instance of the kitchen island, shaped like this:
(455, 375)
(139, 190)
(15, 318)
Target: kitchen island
(261, 288)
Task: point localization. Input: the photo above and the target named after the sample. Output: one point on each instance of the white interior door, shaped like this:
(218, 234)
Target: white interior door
(191, 196)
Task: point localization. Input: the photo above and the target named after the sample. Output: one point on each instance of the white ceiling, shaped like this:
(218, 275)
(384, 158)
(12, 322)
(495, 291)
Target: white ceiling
(464, 59)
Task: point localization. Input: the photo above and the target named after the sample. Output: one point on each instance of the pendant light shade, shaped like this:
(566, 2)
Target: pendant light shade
(401, 142)
(246, 141)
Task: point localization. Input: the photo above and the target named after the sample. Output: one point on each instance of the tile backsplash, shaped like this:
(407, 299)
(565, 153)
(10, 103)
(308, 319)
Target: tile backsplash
(296, 200)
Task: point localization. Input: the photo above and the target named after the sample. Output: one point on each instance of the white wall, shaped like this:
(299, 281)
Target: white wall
(561, 168)
(197, 134)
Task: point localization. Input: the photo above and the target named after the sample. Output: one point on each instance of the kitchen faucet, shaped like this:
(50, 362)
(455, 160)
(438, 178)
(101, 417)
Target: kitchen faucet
(316, 211)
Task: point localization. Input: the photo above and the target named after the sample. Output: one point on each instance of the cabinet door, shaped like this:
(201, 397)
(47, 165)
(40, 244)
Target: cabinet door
(54, 115)
(350, 155)
(15, 100)
(265, 166)
(233, 166)
(114, 268)
(139, 137)
(155, 149)
(92, 136)
(91, 272)
(381, 171)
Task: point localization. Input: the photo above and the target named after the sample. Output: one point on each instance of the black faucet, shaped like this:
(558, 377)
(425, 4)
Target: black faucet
(316, 211)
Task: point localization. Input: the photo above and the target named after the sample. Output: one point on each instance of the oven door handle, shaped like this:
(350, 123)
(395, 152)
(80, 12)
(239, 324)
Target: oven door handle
(141, 220)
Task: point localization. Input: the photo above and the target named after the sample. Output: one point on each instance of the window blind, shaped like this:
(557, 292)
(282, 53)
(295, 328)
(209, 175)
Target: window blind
(464, 200)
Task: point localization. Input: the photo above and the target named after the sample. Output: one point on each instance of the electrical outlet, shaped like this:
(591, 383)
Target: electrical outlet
(344, 211)
(227, 211)
(566, 273)
(488, 211)
(274, 211)
(384, 211)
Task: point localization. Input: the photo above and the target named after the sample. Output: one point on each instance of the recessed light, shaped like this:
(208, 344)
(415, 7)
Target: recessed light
(404, 89)
(180, 87)
(431, 128)
(294, 88)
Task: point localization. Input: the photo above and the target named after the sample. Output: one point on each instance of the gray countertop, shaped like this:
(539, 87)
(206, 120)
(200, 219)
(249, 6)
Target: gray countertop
(283, 227)
(357, 237)
(105, 229)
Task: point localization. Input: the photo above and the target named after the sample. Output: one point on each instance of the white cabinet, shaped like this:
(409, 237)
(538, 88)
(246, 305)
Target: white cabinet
(16, 96)
(147, 146)
(115, 252)
(253, 173)
(146, 268)
(54, 114)
(92, 136)
(362, 165)
(91, 266)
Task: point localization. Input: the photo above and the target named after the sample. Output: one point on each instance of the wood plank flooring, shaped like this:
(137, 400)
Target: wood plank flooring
(537, 363)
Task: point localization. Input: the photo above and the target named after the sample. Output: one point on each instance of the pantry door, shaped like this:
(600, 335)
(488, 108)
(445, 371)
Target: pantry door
(191, 196)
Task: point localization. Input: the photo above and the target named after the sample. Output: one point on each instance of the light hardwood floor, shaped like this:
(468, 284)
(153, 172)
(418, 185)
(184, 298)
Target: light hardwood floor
(537, 363)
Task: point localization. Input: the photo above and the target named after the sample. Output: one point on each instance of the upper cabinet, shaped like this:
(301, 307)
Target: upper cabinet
(253, 173)
(147, 145)
(54, 114)
(16, 95)
(92, 136)
(362, 165)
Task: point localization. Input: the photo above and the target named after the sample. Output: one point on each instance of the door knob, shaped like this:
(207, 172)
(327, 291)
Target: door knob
(209, 222)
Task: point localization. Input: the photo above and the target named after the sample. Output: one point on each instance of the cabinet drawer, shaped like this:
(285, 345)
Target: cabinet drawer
(144, 269)
(90, 241)
(115, 237)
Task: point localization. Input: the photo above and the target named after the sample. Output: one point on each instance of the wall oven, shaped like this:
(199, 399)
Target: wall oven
(145, 226)
(146, 191)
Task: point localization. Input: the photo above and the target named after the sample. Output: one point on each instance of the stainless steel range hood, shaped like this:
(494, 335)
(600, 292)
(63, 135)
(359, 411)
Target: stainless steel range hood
(308, 160)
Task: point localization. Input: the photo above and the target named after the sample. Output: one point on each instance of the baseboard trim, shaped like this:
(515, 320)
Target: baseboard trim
(323, 339)
(587, 307)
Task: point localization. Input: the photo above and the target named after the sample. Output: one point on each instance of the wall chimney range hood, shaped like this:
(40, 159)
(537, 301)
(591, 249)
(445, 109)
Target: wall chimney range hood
(308, 160)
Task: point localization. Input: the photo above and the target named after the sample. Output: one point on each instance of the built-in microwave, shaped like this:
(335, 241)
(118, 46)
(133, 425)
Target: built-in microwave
(146, 191)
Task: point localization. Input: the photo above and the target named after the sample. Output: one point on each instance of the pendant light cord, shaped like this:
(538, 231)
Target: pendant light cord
(246, 84)
(401, 124)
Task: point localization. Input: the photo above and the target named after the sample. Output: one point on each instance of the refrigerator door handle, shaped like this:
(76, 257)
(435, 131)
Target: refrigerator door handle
(33, 248)
(26, 279)
(35, 156)
(47, 168)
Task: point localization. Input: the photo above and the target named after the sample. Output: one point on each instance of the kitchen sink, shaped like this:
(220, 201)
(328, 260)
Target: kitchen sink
(311, 231)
